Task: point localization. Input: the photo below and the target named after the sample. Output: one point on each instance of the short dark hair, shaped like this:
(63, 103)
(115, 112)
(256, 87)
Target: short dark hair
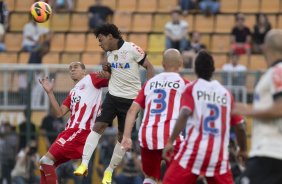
(107, 29)
(204, 65)
(82, 65)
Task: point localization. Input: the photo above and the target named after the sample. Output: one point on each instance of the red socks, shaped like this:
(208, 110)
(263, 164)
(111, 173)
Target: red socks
(48, 174)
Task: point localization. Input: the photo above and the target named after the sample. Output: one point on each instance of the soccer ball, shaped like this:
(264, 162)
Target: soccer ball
(40, 11)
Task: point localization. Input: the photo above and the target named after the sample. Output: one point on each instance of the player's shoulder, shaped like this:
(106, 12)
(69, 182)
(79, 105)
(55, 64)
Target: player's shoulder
(190, 85)
(133, 47)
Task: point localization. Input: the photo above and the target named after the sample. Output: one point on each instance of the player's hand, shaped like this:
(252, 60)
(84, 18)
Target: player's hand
(104, 74)
(107, 67)
(240, 109)
(47, 84)
(167, 151)
(126, 143)
(242, 157)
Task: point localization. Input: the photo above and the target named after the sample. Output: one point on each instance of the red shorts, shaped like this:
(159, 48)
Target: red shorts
(69, 145)
(177, 174)
(151, 161)
(240, 48)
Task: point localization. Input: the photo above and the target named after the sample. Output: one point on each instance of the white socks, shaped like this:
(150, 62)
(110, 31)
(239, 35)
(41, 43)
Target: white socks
(89, 147)
(149, 181)
(116, 157)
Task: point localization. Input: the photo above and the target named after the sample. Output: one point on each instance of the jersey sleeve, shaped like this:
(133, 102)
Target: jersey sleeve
(98, 82)
(187, 100)
(67, 101)
(138, 54)
(236, 119)
(276, 84)
(141, 98)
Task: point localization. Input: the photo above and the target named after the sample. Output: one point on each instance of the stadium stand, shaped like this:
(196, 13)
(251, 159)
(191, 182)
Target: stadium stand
(128, 5)
(79, 22)
(140, 16)
(82, 6)
(91, 58)
(250, 6)
(23, 57)
(110, 3)
(13, 41)
(141, 39)
(75, 42)
(58, 42)
(123, 21)
(147, 6)
(51, 58)
(270, 6)
(8, 57)
(204, 24)
(229, 6)
(60, 22)
(142, 23)
(18, 20)
(23, 6)
(224, 23)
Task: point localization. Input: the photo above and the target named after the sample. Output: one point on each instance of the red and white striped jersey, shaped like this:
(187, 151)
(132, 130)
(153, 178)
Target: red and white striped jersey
(84, 102)
(160, 99)
(205, 149)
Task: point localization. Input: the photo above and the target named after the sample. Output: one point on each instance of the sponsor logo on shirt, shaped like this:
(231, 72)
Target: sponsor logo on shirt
(75, 99)
(164, 84)
(120, 65)
(212, 97)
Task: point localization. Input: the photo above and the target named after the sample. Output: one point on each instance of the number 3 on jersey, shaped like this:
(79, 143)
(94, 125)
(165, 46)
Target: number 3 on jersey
(160, 101)
(211, 118)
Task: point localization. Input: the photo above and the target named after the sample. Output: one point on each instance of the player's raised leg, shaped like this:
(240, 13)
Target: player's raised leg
(89, 147)
(116, 159)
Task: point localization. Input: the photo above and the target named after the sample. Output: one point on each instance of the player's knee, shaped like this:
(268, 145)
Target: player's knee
(46, 160)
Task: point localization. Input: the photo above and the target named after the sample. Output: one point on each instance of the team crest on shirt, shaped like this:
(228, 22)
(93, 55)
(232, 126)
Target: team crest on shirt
(115, 57)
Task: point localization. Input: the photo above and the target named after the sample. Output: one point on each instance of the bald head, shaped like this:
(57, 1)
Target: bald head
(172, 59)
(273, 45)
(273, 40)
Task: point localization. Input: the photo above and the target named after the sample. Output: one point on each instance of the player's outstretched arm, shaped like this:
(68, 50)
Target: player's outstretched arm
(126, 142)
(242, 142)
(149, 67)
(48, 87)
(179, 126)
(269, 113)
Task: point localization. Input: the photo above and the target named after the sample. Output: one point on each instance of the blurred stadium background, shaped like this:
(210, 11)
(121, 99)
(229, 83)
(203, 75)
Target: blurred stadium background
(142, 22)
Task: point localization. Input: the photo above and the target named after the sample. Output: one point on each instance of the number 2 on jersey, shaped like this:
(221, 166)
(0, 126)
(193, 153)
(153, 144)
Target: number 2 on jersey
(160, 101)
(211, 118)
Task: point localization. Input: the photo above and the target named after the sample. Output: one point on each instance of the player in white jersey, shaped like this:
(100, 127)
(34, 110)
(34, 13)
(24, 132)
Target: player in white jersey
(160, 99)
(206, 112)
(123, 62)
(264, 164)
(83, 102)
